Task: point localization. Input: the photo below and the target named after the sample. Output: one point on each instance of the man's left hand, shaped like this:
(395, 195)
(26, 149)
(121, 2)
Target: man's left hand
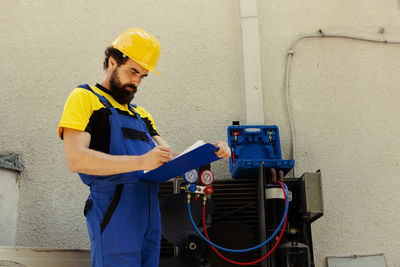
(223, 151)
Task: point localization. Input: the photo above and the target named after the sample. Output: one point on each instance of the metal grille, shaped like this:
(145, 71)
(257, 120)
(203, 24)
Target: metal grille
(236, 201)
(167, 249)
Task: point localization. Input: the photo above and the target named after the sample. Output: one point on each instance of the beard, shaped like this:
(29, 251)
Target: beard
(121, 92)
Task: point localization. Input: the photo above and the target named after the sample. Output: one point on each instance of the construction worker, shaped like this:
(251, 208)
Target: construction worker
(109, 142)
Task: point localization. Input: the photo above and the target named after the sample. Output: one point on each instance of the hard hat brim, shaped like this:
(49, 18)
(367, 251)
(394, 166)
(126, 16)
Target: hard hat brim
(137, 61)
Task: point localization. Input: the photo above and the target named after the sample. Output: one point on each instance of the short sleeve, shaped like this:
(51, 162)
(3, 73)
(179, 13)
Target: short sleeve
(77, 111)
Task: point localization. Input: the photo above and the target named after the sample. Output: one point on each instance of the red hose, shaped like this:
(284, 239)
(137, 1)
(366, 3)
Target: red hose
(252, 262)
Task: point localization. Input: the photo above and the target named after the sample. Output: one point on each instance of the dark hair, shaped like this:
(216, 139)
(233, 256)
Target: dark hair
(119, 57)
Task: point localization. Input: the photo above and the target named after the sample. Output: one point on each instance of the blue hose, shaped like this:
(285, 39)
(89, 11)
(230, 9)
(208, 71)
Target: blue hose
(247, 249)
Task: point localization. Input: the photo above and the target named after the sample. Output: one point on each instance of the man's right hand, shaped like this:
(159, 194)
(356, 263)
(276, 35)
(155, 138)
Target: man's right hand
(156, 157)
(82, 159)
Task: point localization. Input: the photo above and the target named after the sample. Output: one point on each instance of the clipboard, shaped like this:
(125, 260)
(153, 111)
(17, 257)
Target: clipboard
(196, 158)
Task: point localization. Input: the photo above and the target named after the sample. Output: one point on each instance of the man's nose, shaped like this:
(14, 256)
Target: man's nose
(136, 80)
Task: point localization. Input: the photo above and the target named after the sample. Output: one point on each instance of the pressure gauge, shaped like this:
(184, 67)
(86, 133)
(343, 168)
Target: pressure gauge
(192, 188)
(206, 177)
(208, 190)
(191, 176)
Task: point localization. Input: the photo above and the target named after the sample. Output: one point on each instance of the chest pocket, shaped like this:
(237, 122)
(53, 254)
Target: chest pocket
(129, 134)
(135, 134)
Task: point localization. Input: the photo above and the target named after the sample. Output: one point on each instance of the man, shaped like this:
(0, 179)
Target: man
(109, 143)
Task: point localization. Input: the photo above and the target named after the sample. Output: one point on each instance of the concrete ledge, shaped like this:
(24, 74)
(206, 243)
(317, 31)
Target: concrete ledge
(43, 257)
(11, 161)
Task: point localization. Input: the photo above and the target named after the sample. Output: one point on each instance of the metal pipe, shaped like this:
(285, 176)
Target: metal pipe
(176, 190)
(261, 211)
(291, 53)
(252, 62)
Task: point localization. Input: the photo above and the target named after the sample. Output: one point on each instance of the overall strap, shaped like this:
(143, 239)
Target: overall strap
(102, 99)
(143, 136)
(131, 108)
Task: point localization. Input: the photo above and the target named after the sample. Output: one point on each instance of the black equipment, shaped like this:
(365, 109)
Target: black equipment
(244, 213)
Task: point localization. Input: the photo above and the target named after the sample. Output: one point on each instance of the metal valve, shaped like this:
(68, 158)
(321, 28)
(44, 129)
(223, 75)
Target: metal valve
(198, 189)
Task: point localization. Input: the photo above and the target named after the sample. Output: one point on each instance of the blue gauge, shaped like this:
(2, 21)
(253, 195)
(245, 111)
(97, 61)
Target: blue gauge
(191, 176)
(192, 188)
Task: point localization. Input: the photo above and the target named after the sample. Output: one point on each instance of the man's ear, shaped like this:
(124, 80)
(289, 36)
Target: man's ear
(112, 63)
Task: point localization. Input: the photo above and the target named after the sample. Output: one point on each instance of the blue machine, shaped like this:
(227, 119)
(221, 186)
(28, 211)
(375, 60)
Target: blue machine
(251, 145)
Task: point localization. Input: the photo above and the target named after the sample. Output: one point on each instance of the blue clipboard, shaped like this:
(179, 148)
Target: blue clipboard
(196, 158)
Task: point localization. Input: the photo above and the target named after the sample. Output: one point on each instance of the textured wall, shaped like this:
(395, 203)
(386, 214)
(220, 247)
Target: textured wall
(343, 95)
(9, 195)
(49, 47)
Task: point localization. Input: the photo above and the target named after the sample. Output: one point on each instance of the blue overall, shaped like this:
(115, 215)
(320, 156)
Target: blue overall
(123, 218)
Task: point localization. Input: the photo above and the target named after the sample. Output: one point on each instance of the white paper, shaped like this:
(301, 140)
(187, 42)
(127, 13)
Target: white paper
(192, 147)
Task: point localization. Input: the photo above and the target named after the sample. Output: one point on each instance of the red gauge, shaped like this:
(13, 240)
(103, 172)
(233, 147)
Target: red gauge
(206, 177)
(208, 190)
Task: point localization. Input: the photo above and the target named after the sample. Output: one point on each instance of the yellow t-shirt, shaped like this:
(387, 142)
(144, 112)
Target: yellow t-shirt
(83, 111)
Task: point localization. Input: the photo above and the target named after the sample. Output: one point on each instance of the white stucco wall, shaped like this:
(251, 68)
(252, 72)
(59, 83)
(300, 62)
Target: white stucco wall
(343, 93)
(49, 47)
(9, 195)
(344, 97)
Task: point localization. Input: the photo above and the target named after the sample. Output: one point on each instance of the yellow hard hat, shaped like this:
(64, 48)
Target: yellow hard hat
(140, 46)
